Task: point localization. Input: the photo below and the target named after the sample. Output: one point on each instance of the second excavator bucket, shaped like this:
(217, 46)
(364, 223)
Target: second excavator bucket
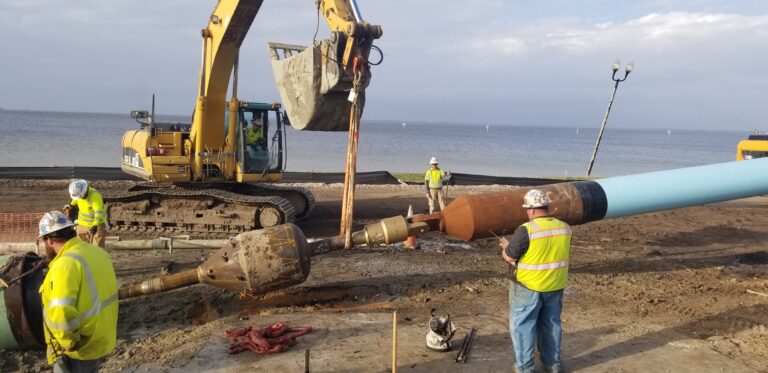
(312, 85)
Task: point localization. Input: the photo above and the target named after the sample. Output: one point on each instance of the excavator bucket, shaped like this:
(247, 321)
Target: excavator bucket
(312, 85)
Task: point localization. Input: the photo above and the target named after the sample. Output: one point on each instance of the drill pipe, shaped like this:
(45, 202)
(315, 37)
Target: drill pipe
(258, 262)
(269, 259)
(476, 216)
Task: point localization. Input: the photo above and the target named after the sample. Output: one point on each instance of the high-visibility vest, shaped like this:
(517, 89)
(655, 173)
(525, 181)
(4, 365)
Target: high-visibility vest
(544, 266)
(79, 297)
(91, 209)
(251, 136)
(435, 178)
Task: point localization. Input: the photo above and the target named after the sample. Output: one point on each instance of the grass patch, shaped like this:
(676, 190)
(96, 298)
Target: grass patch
(409, 177)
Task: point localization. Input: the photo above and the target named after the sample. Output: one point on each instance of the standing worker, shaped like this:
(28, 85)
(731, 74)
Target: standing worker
(79, 296)
(433, 181)
(539, 249)
(91, 216)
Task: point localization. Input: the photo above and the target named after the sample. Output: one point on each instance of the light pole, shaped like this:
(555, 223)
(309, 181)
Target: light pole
(616, 66)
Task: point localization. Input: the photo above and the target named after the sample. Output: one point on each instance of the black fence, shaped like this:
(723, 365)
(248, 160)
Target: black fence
(373, 177)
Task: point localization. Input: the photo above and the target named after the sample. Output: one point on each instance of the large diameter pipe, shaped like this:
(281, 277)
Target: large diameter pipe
(664, 190)
(21, 309)
(476, 216)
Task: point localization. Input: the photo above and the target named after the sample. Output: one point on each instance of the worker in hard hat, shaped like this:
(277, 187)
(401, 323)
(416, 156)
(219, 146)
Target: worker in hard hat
(79, 296)
(539, 249)
(254, 134)
(433, 181)
(258, 158)
(91, 216)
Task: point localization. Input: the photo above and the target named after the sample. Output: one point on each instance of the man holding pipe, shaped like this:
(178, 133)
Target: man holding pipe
(539, 250)
(79, 296)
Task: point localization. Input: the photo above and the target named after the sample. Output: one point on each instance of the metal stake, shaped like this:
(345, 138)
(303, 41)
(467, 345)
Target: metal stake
(616, 66)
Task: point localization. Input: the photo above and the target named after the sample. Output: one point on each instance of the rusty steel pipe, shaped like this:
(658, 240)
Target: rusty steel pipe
(476, 216)
(21, 309)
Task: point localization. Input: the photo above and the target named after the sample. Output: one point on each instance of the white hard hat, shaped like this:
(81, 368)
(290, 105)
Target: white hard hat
(433, 160)
(53, 221)
(535, 199)
(78, 188)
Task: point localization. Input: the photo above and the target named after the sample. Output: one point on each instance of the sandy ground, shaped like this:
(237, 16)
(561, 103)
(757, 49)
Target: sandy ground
(679, 291)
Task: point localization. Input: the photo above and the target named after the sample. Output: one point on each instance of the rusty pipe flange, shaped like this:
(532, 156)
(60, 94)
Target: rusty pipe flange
(21, 309)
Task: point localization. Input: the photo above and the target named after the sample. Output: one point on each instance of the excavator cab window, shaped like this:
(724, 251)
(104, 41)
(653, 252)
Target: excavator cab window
(261, 150)
(753, 154)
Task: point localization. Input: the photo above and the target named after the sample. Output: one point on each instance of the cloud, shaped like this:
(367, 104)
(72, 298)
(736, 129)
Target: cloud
(652, 33)
(513, 61)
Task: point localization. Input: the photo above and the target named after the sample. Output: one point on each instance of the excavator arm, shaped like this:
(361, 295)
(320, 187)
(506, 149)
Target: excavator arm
(344, 17)
(351, 38)
(222, 38)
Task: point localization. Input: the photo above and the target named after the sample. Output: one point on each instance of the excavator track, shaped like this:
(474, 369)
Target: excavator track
(205, 210)
(302, 200)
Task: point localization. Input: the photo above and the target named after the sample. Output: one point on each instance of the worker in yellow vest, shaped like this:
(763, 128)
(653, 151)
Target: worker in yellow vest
(257, 157)
(254, 134)
(91, 217)
(539, 249)
(433, 181)
(79, 296)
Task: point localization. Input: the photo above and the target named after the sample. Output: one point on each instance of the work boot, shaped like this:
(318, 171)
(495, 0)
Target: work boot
(554, 369)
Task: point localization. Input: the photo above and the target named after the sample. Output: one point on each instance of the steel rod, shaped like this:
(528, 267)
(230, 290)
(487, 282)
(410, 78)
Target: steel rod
(160, 284)
(602, 128)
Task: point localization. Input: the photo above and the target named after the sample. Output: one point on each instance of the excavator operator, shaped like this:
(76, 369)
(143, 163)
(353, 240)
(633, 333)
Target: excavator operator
(254, 134)
(256, 152)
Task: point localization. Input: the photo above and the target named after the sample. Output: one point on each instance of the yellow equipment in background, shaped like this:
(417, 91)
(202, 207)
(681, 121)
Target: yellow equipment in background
(199, 173)
(755, 146)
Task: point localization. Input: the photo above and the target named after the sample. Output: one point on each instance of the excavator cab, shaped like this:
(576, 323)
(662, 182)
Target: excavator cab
(261, 141)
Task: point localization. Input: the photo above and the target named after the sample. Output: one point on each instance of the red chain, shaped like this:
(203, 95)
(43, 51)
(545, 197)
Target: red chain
(269, 340)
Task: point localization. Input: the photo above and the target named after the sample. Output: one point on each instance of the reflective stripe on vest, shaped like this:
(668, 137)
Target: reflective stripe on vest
(544, 266)
(96, 304)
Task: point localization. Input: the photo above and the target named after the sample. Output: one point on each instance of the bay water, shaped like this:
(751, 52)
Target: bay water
(31, 138)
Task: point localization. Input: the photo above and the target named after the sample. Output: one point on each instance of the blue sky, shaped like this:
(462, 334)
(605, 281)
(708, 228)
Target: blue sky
(699, 64)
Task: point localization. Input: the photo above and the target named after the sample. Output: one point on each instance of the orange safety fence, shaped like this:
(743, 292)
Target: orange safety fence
(19, 226)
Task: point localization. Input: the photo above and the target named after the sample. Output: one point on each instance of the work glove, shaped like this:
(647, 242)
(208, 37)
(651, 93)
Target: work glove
(93, 230)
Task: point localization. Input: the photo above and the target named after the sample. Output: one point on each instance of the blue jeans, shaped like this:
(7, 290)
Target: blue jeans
(534, 319)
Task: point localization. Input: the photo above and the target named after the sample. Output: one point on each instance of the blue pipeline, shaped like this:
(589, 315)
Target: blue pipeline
(664, 190)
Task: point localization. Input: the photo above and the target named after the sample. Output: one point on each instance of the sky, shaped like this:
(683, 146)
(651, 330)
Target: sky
(699, 64)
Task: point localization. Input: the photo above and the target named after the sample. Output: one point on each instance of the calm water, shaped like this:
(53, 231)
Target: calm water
(81, 139)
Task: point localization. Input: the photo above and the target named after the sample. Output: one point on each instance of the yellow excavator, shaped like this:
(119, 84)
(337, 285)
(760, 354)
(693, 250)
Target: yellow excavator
(755, 146)
(209, 178)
